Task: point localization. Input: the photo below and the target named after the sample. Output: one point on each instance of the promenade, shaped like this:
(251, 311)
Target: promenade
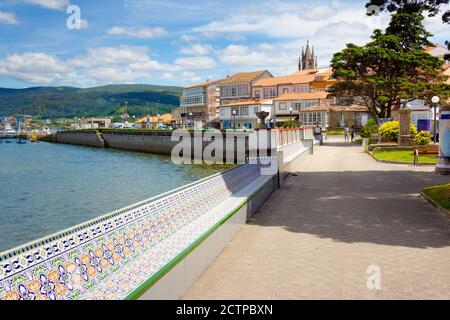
(339, 213)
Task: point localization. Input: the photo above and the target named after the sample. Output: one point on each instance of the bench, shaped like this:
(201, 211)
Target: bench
(124, 254)
(430, 149)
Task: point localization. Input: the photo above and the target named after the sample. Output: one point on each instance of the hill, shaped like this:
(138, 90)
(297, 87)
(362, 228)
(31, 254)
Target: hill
(58, 102)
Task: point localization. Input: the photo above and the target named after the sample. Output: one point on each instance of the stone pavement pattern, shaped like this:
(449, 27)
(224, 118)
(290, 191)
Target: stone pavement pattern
(338, 214)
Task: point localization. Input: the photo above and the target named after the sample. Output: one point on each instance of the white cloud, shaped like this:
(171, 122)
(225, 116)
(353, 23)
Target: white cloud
(197, 49)
(188, 37)
(201, 62)
(262, 56)
(33, 67)
(104, 65)
(51, 4)
(168, 76)
(8, 18)
(138, 32)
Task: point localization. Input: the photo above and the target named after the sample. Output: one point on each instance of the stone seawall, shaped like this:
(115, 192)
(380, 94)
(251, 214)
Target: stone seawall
(140, 141)
(89, 139)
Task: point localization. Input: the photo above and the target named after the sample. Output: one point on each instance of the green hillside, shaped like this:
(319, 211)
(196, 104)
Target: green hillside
(58, 102)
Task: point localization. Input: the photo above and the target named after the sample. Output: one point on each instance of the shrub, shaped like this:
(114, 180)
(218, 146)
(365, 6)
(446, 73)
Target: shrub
(390, 130)
(370, 129)
(291, 124)
(335, 132)
(423, 138)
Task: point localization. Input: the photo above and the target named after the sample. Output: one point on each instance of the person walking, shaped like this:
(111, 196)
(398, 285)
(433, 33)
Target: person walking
(346, 132)
(352, 134)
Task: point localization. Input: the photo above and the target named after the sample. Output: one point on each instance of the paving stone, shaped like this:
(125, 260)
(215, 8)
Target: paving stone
(316, 237)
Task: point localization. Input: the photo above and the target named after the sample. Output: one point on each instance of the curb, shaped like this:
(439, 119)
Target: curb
(435, 204)
(420, 164)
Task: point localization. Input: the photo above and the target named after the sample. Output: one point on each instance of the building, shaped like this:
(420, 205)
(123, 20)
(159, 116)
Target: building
(271, 88)
(333, 116)
(150, 122)
(299, 82)
(438, 51)
(243, 115)
(308, 59)
(176, 115)
(94, 123)
(239, 87)
(288, 105)
(199, 103)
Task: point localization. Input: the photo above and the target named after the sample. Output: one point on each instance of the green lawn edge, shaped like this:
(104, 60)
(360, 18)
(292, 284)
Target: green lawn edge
(439, 194)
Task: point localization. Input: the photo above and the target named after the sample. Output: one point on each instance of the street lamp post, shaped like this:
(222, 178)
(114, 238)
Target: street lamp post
(191, 118)
(435, 100)
(234, 120)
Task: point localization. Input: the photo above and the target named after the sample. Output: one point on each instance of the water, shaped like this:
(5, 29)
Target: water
(45, 188)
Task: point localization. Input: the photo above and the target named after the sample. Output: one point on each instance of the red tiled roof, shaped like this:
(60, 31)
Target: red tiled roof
(302, 96)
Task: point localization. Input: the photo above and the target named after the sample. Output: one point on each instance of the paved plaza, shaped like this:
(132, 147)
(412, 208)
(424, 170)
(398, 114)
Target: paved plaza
(338, 213)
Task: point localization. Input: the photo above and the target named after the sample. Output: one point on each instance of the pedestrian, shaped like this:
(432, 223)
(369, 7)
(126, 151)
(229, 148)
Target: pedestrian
(346, 136)
(353, 133)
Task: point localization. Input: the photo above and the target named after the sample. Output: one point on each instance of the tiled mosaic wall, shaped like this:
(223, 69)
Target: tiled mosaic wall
(112, 256)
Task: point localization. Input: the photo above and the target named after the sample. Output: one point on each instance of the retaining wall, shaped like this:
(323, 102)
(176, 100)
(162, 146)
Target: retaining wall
(155, 249)
(131, 253)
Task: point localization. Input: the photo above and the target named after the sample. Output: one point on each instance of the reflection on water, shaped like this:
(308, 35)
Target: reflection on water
(45, 188)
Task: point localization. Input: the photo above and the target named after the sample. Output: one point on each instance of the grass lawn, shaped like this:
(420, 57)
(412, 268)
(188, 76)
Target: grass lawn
(403, 156)
(335, 132)
(440, 194)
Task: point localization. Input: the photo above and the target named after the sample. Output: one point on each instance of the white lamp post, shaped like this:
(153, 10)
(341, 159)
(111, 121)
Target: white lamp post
(435, 100)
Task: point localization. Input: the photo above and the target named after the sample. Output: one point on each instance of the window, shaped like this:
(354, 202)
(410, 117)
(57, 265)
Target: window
(319, 78)
(222, 112)
(283, 106)
(270, 93)
(235, 90)
(312, 118)
(244, 111)
(193, 96)
(297, 105)
(301, 88)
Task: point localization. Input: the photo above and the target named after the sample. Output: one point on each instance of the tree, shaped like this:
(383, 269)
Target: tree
(390, 68)
(430, 7)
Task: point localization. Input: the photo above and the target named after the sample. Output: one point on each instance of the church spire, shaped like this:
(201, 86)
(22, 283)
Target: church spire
(308, 60)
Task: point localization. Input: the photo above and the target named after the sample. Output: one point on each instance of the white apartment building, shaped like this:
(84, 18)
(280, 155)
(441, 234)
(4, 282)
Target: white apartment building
(242, 115)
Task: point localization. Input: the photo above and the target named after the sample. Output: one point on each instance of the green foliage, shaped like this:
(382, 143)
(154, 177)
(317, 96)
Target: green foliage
(440, 194)
(59, 102)
(291, 124)
(335, 132)
(390, 130)
(370, 129)
(423, 138)
(392, 67)
(402, 156)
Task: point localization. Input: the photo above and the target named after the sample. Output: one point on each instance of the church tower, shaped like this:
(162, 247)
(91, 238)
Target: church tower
(308, 60)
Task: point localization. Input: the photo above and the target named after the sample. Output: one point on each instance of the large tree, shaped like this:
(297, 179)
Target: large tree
(429, 7)
(390, 68)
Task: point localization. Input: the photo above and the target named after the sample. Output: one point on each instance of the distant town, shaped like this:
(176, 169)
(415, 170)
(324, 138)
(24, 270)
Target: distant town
(233, 103)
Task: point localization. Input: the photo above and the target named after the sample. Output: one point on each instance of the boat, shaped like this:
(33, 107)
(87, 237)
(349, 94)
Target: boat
(9, 133)
(20, 141)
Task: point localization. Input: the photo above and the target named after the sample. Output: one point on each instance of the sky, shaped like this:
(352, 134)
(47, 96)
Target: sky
(173, 42)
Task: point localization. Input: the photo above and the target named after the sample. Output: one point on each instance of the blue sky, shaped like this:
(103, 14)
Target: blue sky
(173, 42)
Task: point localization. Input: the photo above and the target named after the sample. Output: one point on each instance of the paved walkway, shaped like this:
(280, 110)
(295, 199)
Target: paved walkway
(316, 237)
